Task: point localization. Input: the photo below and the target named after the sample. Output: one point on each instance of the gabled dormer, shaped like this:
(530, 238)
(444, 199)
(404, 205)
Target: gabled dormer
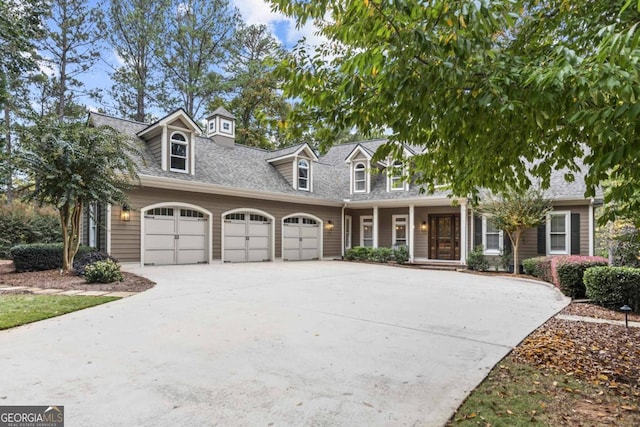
(359, 161)
(172, 141)
(397, 170)
(295, 164)
(221, 126)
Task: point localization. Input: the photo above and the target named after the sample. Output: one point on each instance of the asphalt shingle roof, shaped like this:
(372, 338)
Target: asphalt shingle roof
(247, 168)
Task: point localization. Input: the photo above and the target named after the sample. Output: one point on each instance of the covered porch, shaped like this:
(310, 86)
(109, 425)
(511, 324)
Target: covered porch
(434, 231)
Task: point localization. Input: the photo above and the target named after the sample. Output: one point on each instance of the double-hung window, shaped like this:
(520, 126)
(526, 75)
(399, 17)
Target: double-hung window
(179, 152)
(359, 178)
(396, 181)
(303, 175)
(559, 233)
(491, 237)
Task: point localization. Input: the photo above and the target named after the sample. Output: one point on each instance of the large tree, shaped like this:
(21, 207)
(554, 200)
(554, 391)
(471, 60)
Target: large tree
(70, 49)
(136, 32)
(73, 165)
(196, 45)
(255, 96)
(20, 28)
(498, 91)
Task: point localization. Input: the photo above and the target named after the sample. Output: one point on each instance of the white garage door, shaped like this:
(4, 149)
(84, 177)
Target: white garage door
(175, 235)
(247, 237)
(300, 239)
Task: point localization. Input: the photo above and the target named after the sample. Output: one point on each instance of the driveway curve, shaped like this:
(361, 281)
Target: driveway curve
(275, 344)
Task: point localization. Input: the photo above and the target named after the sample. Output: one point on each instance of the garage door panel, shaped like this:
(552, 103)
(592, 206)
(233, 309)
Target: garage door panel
(309, 232)
(291, 254)
(235, 255)
(256, 242)
(160, 241)
(258, 230)
(191, 256)
(308, 254)
(235, 229)
(160, 225)
(309, 244)
(160, 257)
(191, 242)
(258, 255)
(193, 227)
(290, 231)
(235, 243)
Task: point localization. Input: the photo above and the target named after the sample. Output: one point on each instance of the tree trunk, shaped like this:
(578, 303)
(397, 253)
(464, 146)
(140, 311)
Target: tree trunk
(515, 242)
(7, 123)
(64, 223)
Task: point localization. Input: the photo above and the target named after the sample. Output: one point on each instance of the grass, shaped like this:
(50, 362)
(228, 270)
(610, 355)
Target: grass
(516, 394)
(16, 310)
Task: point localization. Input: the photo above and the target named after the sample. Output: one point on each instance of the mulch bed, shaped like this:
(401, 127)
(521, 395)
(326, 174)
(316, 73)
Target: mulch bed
(591, 310)
(53, 279)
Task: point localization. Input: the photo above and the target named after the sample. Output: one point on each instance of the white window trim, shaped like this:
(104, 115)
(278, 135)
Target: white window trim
(567, 230)
(484, 239)
(369, 219)
(355, 188)
(171, 155)
(394, 218)
(391, 177)
(297, 175)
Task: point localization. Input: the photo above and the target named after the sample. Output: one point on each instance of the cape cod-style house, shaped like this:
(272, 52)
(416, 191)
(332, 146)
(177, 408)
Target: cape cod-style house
(202, 198)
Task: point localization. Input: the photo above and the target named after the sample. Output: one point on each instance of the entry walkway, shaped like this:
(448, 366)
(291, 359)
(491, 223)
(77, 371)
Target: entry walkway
(53, 291)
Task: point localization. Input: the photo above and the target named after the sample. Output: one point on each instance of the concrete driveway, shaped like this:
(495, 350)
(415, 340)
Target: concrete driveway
(275, 344)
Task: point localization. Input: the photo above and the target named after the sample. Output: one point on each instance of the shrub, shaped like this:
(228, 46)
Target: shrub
(570, 271)
(477, 261)
(358, 253)
(107, 271)
(22, 223)
(545, 269)
(401, 254)
(626, 249)
(85, 259)
(40, 256)
(531, 266)
(381, 254)
(613, 287)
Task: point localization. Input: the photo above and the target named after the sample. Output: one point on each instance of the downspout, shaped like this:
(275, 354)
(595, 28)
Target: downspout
(344, 205)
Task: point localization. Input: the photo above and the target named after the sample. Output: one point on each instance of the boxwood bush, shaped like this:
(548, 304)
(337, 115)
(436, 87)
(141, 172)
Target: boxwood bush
(82, 260)
(358, 253)
(477, 261)
(401, 254)
(613, 287)
(570, 271)
(107, 271)
(40, 256)
(531, 266)
(381, 255)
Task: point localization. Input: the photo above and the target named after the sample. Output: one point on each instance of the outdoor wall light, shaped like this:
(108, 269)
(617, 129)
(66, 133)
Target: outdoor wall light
(329, 225)
(125, 213)
(423, 226)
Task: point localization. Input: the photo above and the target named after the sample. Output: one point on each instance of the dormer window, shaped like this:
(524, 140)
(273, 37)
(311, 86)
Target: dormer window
(303, 175)
(226, 126)
(179, 152)
(359, 178)
(212, 125)
(396, 181)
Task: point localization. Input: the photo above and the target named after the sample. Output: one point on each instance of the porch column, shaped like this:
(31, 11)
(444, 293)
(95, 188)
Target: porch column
(463, 232)
(411, 232)
(375, 226)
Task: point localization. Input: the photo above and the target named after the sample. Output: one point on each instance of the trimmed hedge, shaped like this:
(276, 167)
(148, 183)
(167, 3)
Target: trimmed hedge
(613, 287)
(361, 253)
(531, 266)
(40, 256)
(570, 272)
(476, 260)
(23, 223)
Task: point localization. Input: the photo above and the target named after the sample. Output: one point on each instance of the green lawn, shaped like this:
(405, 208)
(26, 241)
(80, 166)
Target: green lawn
(16, 310)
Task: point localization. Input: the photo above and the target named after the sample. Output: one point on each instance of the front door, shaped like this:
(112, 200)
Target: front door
(444, 237)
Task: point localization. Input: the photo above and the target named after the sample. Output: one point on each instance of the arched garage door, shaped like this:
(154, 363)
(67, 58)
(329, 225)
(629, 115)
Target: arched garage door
(175, 235)
(301, 238)
(247, 237)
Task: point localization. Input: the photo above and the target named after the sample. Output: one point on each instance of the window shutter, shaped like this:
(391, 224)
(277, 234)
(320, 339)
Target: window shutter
(477, 231)
(506, 245)
(575, 234)
(542, 239)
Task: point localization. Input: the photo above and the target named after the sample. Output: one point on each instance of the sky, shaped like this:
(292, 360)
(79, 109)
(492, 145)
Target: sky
(252, 11)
